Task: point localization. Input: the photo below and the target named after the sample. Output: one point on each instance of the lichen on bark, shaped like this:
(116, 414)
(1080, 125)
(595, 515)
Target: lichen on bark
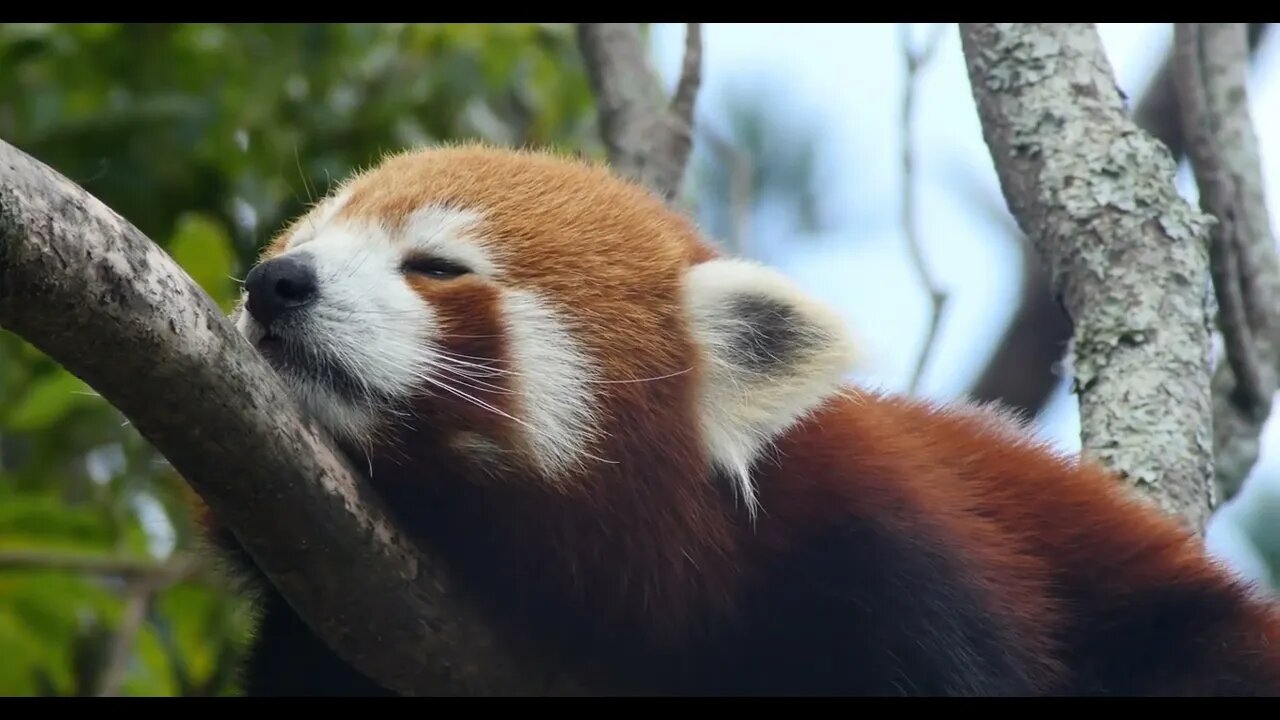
(1128, 257)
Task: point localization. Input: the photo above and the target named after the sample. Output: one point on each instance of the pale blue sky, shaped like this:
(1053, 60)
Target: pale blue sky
(849, 78)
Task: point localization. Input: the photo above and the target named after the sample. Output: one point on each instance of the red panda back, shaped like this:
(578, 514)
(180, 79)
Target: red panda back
(1108, 595)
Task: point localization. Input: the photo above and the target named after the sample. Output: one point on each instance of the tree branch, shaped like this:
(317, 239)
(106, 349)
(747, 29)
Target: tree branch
(1020, 373)
(686, 94)
(128, 568)
(136, 603)
(139, 594)
(1212, 85)
(741, 178)
(915, 61)
(143, 579)
(1158, 112)
(1128, 255)
(88, 289)
(647, 138)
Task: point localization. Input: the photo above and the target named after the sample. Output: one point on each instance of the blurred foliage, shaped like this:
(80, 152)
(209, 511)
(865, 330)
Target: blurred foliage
(208, 138)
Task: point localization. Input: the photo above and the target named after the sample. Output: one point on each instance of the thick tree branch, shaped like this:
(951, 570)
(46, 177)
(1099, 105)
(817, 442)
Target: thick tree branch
(648, 138)
(1212, 83)
(1127, 254)
(1020, 373)
(87, 288)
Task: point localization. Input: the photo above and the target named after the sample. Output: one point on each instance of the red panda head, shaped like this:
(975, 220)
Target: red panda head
(538, 315)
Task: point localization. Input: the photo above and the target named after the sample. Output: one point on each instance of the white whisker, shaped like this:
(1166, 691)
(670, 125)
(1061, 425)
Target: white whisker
(642, 380)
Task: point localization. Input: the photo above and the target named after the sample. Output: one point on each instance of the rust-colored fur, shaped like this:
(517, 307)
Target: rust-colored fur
(1064, 551)
(900, 547)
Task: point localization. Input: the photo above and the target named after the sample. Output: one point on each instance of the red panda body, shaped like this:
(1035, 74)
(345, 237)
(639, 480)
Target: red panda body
(644, 458)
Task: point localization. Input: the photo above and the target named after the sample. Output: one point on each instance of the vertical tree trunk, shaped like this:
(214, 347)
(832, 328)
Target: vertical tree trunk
(1128, 255)
(1021, 372)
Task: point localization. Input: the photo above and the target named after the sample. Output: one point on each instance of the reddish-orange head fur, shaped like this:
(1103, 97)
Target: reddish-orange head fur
(552, 333)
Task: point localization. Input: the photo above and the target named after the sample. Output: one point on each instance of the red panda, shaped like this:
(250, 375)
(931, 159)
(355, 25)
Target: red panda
(648, 458)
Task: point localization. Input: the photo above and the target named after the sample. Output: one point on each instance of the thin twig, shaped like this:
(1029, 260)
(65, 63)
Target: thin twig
(741, 177)
(915, 60)
(129, 568)
(136, 604)
(138, 597)
(144, 578)
(685, 96)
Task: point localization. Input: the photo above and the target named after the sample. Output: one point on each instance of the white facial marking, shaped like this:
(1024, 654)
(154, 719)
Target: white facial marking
(766, 369)
(318, 219)
(450, 235)
(554, 381)
(373, 323)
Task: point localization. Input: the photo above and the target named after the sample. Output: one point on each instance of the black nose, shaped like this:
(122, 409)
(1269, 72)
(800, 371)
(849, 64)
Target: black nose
(279, 285)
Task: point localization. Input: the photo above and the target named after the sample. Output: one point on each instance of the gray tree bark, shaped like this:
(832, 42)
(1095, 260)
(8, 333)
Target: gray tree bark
(1127, 254)
(1021, 371)
(647, 137)
(87, 288)
(1212, 62)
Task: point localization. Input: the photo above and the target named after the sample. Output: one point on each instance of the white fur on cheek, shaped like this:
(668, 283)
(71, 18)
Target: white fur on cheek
(773, 355)
(554, 380)
(340, 416)
(367, 312)
(366, 318)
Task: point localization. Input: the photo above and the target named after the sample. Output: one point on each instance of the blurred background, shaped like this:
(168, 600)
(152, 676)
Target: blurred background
(208, 137)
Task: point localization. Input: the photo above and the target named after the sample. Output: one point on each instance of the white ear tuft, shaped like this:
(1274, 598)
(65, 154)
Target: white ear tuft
(772, 353)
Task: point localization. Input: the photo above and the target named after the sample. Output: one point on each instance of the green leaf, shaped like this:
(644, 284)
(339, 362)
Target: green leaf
(44, 522)
(48, 400)
(49, 601)
(208, 138)
(202, 246)
(26, 654)
(42, 614)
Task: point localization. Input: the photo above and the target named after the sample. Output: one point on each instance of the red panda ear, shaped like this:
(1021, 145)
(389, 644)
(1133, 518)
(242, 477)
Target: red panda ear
(771, 354)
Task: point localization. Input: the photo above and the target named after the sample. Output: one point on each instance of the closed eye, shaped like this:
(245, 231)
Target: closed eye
(433, 267)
